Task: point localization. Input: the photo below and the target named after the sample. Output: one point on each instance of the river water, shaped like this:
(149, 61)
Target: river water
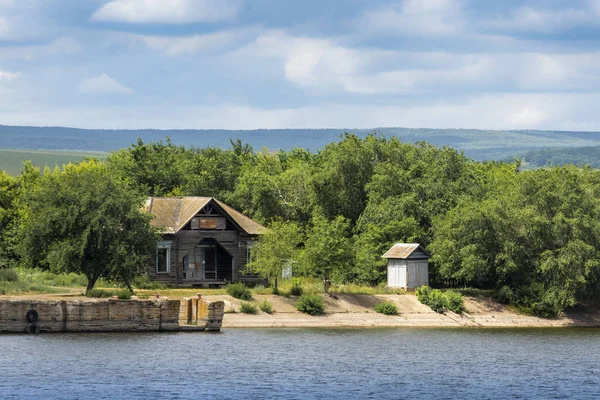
(305, 363)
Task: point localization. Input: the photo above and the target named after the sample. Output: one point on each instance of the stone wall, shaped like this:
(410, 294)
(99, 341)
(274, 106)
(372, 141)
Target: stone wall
(90, 315)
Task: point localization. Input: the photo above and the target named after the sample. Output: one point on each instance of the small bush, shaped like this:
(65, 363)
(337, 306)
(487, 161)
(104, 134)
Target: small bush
(144, 282)
(296, 290)
(248, 308)
(123, 294)
(99, 293)
(266, 307)
(387, 308)
(505, 295)
(438, 300)
(311, 304)
(8, 275)
(454, 301)
(239, 291)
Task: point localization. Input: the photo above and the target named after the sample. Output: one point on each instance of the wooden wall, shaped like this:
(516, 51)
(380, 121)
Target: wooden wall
(234, 242)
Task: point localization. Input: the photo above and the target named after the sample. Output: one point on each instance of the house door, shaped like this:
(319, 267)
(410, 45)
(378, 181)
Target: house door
(209, 261)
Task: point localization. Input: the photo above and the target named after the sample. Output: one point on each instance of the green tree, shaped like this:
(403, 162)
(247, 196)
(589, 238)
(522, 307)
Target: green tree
(328, 249)
(276, 249)
(83, 219)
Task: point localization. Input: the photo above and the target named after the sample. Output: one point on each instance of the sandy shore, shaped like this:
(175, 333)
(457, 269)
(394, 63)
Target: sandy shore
(357, 311)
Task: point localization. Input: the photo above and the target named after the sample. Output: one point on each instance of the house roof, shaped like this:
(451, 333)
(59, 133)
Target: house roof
(403, 250)
(173, 213)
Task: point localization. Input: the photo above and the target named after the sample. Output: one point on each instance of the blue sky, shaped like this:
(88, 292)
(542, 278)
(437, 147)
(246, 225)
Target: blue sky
(245, 64)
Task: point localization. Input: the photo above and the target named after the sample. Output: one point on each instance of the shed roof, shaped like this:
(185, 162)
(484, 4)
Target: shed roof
(173, 213)
(403, 250)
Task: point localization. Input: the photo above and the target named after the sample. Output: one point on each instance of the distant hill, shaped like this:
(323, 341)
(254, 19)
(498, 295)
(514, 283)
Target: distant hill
(580, 156)
(478, 144)
(12, 160)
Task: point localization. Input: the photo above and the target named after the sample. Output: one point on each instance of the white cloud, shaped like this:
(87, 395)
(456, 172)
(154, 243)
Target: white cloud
(181, 45)
(103, 84)
(59, 46)
(416, 18)
(5, 29)
(8, 76)
(324, 67)
(167, 11)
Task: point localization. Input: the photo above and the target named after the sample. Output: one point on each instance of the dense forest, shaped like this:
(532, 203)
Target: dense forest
(580, 156)
(532, 236)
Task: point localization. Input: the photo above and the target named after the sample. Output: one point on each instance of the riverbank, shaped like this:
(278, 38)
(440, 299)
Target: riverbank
(356, 311)
(350, 310)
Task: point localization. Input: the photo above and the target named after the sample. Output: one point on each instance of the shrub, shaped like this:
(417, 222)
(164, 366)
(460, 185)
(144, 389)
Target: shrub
(454, 301)
(239, 291)
(423, 293)
(99, 293)
(144, 282)
(311, 304)
(296, 290)
(438, 300)
(248, 308)
(8, 275)
(123, 294)
(505, 295)
(266, 307)
(387, 308)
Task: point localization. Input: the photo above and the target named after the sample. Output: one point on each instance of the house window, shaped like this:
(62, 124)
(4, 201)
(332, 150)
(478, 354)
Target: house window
(249, 245)
(163, 257)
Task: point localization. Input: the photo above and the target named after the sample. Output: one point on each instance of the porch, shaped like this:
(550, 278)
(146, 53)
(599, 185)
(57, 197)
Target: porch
(208, 264)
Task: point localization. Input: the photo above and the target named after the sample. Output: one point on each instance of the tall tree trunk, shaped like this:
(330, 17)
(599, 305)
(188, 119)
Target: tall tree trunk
(276, 290)
(326, 281)
(91, 282)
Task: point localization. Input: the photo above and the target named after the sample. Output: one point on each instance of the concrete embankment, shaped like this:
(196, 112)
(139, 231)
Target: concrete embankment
(42, 315)
(355, 311)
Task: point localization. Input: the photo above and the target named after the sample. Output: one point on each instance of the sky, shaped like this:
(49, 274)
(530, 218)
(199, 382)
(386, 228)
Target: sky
(249, 64)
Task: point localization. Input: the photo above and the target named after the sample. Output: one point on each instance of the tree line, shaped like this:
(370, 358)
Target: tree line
(530, 235)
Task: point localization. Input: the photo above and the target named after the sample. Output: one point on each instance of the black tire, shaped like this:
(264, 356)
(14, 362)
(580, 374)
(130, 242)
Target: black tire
(32, 316)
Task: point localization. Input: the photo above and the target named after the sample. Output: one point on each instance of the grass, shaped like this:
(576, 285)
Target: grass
(387, 308)
(11, 161)
(31, 281)
(239, 291)
(312, 304)
(266, 307)
(248, 308)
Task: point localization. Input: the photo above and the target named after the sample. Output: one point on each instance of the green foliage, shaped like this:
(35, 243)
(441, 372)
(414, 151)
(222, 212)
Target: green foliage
(328, 250)
(99, 293)
(312, 304)
(275, 250)
(296, 290)
(532, 236)
(239, 291)
(248, 308)
(387, 308)
(8, 275)
(266, 307)
(123, 294)
(144, 282)
(84, 220)
(439, 300)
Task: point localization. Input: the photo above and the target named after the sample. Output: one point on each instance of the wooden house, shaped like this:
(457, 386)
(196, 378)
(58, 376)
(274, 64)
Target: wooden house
(408, 266)
(204, 241)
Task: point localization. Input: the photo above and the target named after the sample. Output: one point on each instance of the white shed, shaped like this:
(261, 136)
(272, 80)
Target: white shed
(408, 266)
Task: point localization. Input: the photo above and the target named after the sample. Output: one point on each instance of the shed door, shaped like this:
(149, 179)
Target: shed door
(423, 273)
(412, 270)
